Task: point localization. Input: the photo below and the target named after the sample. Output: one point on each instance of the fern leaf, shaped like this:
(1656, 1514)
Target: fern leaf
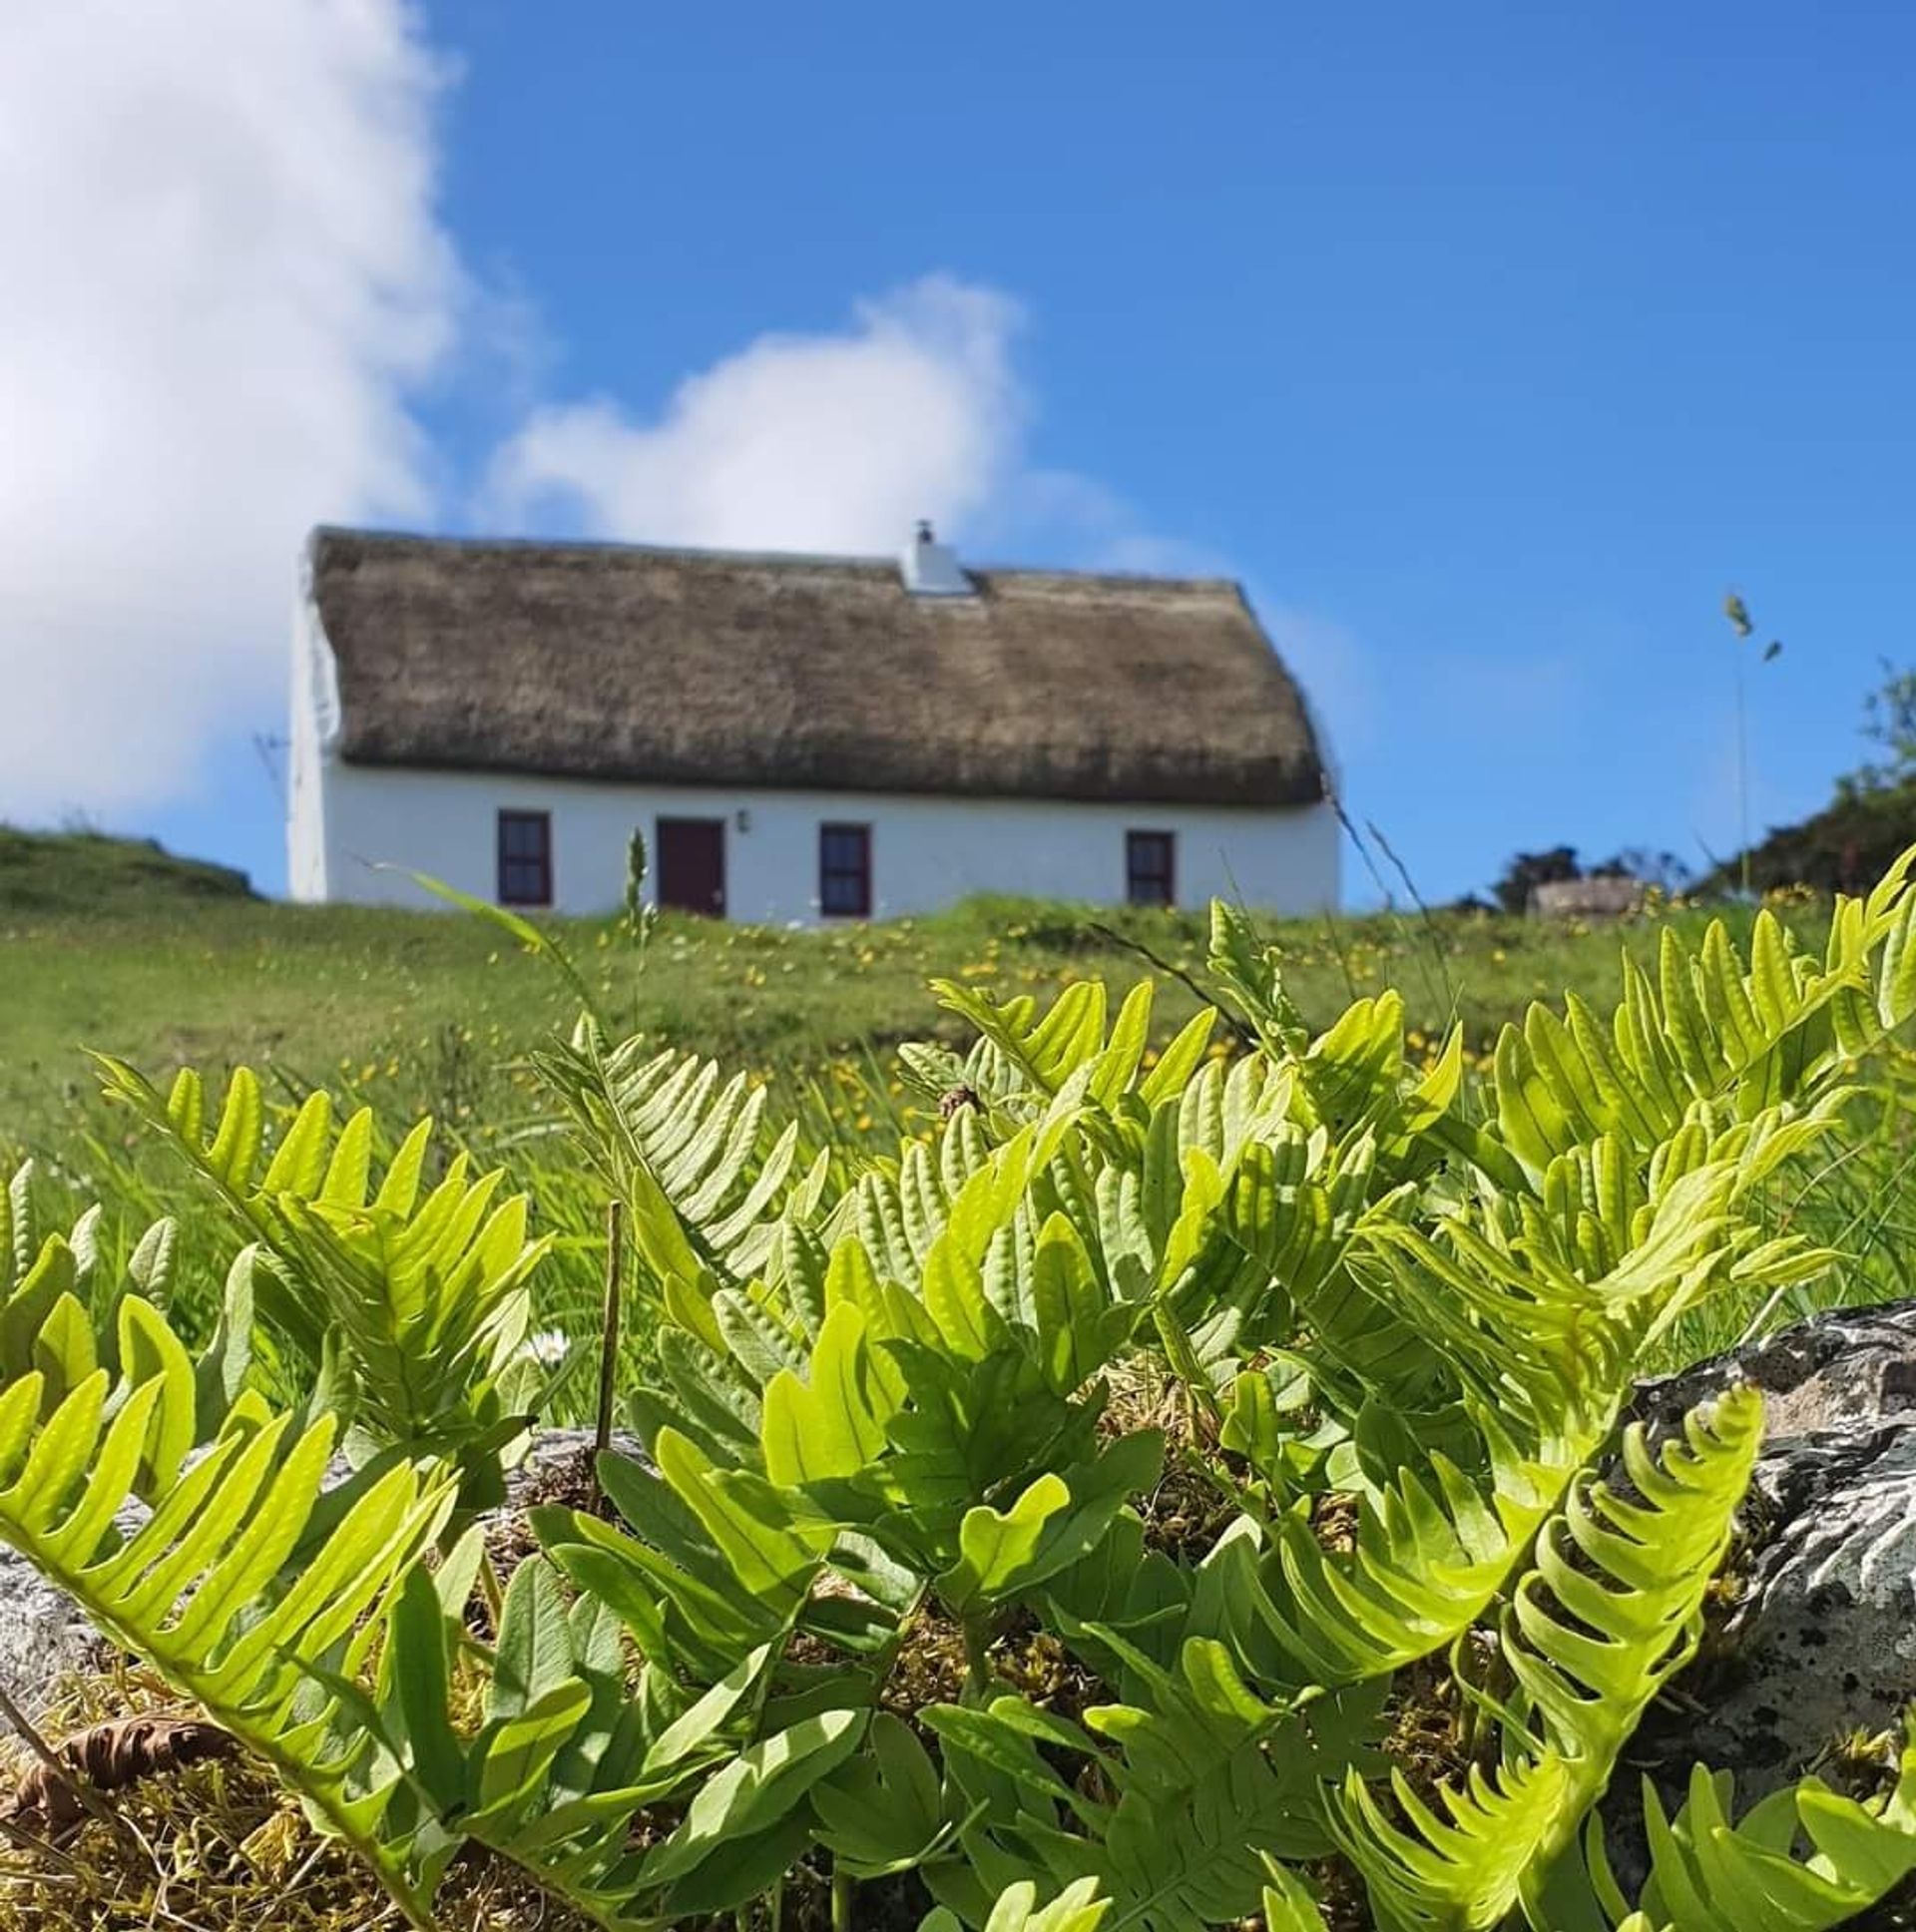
(199, 1590)
(1610, 1612)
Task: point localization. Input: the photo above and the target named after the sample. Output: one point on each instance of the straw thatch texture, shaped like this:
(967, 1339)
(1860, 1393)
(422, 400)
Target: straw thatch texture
(711, 667)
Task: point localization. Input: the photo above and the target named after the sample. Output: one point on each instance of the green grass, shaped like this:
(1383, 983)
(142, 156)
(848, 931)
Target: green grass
(168, 963)
(114, 947)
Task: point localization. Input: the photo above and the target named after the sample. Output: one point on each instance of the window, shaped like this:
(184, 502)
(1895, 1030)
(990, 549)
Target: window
(1148, 876)
(525, 858)
(845, 872)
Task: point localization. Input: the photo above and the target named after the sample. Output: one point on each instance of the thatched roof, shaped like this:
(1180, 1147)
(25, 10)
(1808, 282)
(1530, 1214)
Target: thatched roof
(598, 660)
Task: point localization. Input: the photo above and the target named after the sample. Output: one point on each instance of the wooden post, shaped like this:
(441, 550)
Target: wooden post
(608, 1321)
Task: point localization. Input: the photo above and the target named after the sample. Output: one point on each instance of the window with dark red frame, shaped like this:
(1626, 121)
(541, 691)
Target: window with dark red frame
(845, 872)
(525, 858)
(1150, 869)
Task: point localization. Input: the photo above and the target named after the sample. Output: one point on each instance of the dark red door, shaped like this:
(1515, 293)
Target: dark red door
(691, 865)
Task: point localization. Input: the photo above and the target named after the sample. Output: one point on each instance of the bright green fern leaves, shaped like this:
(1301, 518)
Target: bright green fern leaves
(1610, 1610)
(228, 1568)
(408, 1305)
(1063, 1522)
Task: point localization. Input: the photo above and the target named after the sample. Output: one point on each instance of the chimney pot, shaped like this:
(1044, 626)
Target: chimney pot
(931, 569)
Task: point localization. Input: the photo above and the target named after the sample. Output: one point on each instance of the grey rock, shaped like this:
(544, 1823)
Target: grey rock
(1821, 1641)
(42, 1636)
(1847, 1369)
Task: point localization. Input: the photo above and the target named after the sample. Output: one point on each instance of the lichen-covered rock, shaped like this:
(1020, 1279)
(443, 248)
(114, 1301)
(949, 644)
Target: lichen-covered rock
(1821, 1641)
(42, 1636)
(1848, 1369)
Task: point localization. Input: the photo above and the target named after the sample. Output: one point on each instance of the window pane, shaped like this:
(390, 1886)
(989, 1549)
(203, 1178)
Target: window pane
(1147, 868)
(525, 858)
(844, 870)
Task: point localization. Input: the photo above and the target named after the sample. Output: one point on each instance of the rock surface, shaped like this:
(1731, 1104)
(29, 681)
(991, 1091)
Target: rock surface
(1847, 1369)
(1821, 1643)
(1823, 1637)
(42, 1635)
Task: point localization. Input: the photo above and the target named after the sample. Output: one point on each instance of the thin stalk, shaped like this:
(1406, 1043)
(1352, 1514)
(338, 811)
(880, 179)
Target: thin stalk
(1435, 938)
(490, 1592)
(842, 1888)
(23, 1840)
(1344, 958)
(1204, 996)
(977, 1636)
(609, 1321)
(1742, 767)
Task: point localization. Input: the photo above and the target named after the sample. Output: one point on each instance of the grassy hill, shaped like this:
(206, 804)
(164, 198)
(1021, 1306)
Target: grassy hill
(169, 962)
(51, 873)
(431, 1012)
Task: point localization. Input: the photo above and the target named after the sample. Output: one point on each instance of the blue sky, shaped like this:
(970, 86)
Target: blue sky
(1489, 346)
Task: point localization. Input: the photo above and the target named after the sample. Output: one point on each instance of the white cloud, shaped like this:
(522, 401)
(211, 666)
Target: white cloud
(832, 442)
(223, 276)
(227, 281)
(838, 441)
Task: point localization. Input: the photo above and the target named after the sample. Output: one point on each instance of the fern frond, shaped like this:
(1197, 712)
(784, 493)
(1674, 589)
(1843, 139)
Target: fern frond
(1804, 1859)
(1712, 1028)
(687, 1149)
(207, 1590)
(1077, 1908)
(1610, 1611)
(419, 1296)
(1043, 1052)
(1434, 1549)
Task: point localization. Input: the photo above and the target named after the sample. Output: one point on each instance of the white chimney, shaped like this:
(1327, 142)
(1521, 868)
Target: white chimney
(930, 569)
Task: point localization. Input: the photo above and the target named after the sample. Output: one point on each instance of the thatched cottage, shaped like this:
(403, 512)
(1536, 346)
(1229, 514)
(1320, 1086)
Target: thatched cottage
(797, 737)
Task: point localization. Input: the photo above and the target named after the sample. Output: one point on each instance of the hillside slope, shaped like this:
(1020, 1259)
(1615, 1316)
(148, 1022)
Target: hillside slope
(83, 871)
(119, 947)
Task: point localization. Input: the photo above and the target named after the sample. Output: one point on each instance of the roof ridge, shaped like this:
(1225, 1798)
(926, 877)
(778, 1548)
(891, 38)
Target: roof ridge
(715, 553)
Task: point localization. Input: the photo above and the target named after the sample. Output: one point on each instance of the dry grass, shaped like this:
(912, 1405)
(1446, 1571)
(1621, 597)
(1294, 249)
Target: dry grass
(219, 1847)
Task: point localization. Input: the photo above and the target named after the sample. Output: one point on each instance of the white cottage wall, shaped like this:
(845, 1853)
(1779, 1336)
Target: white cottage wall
(313, 724)
(926, 852)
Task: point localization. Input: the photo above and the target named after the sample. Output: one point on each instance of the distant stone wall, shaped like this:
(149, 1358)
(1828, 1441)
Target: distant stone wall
(1585, 898)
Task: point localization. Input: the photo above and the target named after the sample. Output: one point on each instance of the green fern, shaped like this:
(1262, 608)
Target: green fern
(243, 1584)
(881, 1423)
(1804, 1859)
(1610, 1612)
(686, 1149)
(410, 1304)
